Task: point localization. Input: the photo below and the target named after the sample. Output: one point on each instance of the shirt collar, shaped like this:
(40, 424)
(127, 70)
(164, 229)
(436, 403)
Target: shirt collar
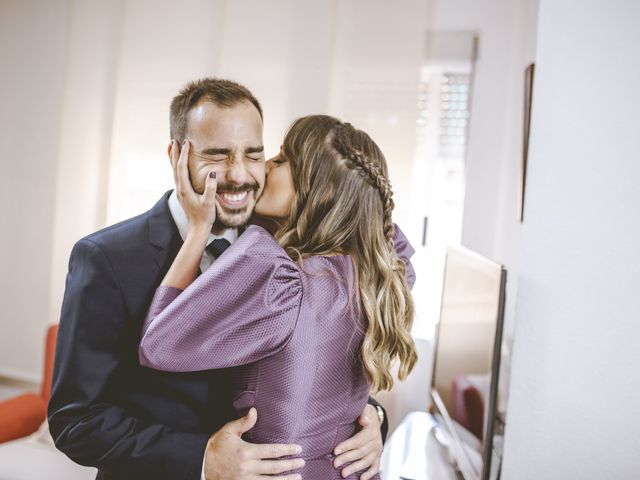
(180, 218)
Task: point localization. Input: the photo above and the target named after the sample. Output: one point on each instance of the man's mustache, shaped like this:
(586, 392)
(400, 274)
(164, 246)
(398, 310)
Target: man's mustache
(236, 188)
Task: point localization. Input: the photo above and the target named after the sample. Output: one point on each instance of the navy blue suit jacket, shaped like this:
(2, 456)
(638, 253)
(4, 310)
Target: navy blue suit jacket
(106, 410)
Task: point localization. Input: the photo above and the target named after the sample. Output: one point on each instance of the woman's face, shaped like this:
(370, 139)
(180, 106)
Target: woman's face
(279, 191)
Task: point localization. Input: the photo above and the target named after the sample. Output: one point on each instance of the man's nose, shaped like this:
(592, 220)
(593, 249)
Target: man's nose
(237, 171)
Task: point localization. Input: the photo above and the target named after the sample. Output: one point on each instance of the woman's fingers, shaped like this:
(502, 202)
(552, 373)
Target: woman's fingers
(210, 188)
(200, 209)
(276, 467)
(209, 195)
(350, 456)
(184, 183)
(375, 468)
(363, 463)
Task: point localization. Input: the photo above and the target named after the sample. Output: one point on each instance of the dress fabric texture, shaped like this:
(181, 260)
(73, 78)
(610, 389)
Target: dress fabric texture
(294, 332)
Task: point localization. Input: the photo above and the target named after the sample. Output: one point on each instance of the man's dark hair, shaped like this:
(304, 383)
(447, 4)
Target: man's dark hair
(223, 93)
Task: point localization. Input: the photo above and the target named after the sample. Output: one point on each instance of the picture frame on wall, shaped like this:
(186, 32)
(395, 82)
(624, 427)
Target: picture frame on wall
(528, 98)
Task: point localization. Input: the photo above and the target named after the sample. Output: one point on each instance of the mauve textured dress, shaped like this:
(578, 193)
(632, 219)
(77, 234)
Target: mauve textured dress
(294, 333)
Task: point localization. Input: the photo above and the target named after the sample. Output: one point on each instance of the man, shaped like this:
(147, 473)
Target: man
(132, 422)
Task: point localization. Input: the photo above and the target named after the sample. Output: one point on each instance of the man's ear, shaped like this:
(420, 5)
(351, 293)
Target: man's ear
(169, 148)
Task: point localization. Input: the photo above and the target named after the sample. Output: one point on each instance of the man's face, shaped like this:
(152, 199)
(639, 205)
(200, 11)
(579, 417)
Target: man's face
(227, 140)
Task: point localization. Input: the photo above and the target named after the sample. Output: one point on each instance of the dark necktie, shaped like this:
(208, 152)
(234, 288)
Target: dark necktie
(218, 246)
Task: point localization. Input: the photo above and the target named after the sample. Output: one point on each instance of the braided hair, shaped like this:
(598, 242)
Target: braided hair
(343, 205)
(343, 141)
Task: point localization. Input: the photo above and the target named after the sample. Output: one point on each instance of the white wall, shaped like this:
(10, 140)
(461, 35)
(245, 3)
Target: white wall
(573, 410)
(32, 55)
(85, 130)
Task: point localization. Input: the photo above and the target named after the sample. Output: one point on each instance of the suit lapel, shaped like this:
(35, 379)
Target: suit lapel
(163, 232)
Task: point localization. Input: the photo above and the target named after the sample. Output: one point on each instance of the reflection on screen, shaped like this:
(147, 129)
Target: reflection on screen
(465, 366)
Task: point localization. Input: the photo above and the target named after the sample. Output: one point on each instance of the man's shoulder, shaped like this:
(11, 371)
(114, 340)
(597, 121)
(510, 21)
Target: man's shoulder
(132, 233)
(129, 227)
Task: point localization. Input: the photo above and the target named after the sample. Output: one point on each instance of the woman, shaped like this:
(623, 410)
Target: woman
(316, 314)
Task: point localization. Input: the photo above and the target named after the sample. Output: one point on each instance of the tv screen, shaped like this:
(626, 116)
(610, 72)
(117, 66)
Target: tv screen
(467, 360)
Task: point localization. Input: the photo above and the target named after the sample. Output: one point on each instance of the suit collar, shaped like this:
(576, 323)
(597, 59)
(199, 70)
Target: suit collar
(163, 233)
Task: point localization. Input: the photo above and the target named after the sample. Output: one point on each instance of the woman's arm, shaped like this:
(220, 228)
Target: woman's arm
(185, 267)
(241, 309)
(201, 213)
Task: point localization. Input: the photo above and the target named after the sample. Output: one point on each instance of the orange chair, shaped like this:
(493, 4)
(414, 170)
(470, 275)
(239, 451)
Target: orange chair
(22, 415)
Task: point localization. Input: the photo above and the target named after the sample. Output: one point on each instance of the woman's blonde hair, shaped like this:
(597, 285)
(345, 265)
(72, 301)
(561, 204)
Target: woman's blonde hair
(343, 205)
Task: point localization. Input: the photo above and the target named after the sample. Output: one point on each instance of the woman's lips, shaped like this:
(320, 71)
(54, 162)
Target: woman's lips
(234, 199)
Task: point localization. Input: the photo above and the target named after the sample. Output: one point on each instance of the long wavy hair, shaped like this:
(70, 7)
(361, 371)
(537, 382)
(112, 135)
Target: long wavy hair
(343, 205)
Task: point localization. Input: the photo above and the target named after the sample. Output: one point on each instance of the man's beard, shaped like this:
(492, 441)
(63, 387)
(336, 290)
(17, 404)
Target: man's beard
(235, 217)
(232, 218)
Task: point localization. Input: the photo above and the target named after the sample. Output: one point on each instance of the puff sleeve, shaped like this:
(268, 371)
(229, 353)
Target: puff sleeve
(405, 251)
(240, 310)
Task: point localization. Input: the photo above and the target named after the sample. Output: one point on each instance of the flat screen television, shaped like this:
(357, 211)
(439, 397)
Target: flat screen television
(464, 383)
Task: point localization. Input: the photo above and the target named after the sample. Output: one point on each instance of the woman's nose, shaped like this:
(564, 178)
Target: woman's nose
(269, 166)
